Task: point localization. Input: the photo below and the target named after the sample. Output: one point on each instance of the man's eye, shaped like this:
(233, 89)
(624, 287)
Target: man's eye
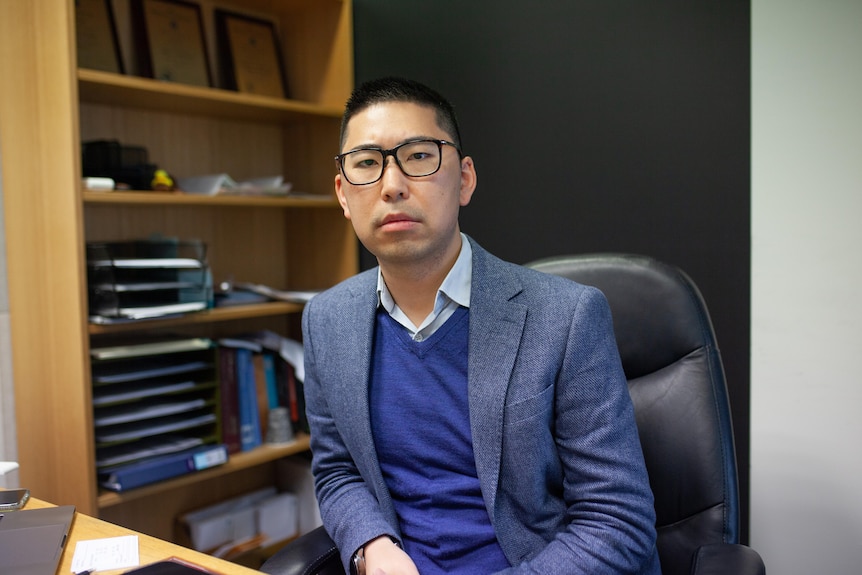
(364, 160)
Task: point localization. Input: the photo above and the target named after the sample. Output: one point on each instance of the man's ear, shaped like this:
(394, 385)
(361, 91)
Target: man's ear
(339, 193)
(468, 179)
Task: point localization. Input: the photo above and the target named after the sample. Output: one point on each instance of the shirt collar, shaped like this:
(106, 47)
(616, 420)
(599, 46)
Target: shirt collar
(456, 286)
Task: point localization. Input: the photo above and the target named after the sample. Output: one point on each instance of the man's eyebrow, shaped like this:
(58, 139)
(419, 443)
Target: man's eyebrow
(375, 146)
(368, 146)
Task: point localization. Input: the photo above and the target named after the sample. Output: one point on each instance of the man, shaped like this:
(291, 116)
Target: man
(467, 415)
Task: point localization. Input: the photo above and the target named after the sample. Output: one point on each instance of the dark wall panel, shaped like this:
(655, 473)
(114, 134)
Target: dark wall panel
(597, 126)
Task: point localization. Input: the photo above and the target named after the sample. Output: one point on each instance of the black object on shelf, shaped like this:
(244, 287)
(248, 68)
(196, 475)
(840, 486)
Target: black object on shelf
(128, 166)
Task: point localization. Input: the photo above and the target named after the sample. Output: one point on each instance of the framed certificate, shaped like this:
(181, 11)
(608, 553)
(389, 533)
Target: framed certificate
(171, 42)
(96, 36)
(250, 55)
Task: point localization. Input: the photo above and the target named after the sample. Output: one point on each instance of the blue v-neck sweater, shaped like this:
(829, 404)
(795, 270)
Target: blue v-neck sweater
(421, 425)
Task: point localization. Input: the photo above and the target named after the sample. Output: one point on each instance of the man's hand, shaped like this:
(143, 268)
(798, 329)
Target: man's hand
(383, 557)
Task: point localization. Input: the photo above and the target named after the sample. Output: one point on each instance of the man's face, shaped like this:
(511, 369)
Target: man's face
(403, 219)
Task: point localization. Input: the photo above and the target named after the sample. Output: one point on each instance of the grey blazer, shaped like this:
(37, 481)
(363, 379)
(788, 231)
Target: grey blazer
(556, 446)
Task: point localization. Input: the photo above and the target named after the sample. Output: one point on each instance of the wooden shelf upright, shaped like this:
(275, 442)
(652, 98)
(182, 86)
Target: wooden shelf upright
(48, 107)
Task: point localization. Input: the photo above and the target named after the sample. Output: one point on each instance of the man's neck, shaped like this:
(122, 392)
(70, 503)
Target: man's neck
(414, 287)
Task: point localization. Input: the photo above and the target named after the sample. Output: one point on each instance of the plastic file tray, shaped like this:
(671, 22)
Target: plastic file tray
(152, 397)
(144, 279)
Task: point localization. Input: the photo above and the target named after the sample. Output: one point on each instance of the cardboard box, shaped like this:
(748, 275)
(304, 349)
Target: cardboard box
(277, 517)
(226, 522)
(294, 476)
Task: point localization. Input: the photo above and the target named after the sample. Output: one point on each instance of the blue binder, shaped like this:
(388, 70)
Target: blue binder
(163, 467)
(249, 415)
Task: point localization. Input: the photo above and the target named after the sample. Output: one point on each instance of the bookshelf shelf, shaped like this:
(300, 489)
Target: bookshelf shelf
(216, 315)
(180, 199)
(98, 87)
(237, 462)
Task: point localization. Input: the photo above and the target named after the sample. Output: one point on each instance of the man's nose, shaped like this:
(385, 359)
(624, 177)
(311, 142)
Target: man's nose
(393, 180)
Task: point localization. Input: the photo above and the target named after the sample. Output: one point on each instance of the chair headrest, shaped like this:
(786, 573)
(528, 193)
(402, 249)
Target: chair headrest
(658, 312)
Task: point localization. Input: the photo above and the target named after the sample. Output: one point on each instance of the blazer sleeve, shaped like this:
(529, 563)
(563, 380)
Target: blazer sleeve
(349, 509)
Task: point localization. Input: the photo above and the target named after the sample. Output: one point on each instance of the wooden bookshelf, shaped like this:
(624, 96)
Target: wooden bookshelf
(298, 242)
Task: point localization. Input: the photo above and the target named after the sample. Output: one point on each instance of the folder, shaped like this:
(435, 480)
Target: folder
(155, 469)
(249, 414)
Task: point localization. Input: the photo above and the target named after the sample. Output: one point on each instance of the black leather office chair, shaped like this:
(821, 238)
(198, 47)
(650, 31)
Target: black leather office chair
(676, 380)
(677, 384)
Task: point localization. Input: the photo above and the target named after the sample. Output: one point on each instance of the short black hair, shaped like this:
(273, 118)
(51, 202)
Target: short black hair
(395, 89)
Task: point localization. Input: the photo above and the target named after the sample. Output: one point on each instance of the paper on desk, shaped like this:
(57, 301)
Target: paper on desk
(108, 553)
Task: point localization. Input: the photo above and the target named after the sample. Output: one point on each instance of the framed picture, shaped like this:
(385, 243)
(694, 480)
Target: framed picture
(96, 36)
(250, 55)
(170, 41)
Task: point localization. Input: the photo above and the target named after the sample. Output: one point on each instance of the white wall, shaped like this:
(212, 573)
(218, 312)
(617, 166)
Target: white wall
(806, 382)
(8, 450)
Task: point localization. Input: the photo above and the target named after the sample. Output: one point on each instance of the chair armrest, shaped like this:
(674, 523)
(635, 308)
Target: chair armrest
(727, 559)
(313, 553)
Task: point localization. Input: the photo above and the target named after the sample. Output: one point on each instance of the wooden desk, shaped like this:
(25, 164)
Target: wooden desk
(150, 549)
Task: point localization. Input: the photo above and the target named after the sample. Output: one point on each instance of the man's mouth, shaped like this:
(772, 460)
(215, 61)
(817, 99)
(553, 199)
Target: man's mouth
(397, 222)
(393, 220)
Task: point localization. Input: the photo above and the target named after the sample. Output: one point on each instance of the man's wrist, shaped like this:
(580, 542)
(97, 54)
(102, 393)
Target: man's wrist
(357, 565)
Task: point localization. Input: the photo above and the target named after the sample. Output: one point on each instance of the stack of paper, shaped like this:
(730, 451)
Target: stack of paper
(214, 184)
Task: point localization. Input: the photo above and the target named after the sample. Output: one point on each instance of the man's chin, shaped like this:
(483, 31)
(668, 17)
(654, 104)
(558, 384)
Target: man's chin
(400, 252)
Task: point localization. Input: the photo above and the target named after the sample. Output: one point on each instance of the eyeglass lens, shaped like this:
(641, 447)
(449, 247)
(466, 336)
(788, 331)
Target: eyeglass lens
(415, 159)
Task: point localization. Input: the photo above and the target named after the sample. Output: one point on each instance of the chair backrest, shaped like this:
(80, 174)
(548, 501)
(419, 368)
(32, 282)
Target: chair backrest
(677, 384)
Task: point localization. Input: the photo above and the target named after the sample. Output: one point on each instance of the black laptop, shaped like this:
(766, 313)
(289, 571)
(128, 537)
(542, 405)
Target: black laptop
(32, 540)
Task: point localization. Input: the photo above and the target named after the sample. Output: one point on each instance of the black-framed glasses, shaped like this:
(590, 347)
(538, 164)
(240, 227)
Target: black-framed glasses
(416, 158)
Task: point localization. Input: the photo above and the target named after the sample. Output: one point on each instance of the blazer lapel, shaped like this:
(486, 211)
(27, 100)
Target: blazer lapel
(496, 324)
(351, 342)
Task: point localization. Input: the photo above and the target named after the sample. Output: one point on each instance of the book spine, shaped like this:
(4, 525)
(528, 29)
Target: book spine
(249, 422)
(302, 418)
(261, 392)
(229, 399)
(271, 380)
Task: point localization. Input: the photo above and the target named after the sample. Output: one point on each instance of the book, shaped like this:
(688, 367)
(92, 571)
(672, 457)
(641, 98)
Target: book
(302, 419)
(153, 469)
(249, 416)
(271, 381)
(229, 399)
(292, 395)
(266, 371)
(261, 392)
(171, 566)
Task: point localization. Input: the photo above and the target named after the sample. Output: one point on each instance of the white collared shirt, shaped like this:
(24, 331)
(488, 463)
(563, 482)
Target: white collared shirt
(453, 292)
